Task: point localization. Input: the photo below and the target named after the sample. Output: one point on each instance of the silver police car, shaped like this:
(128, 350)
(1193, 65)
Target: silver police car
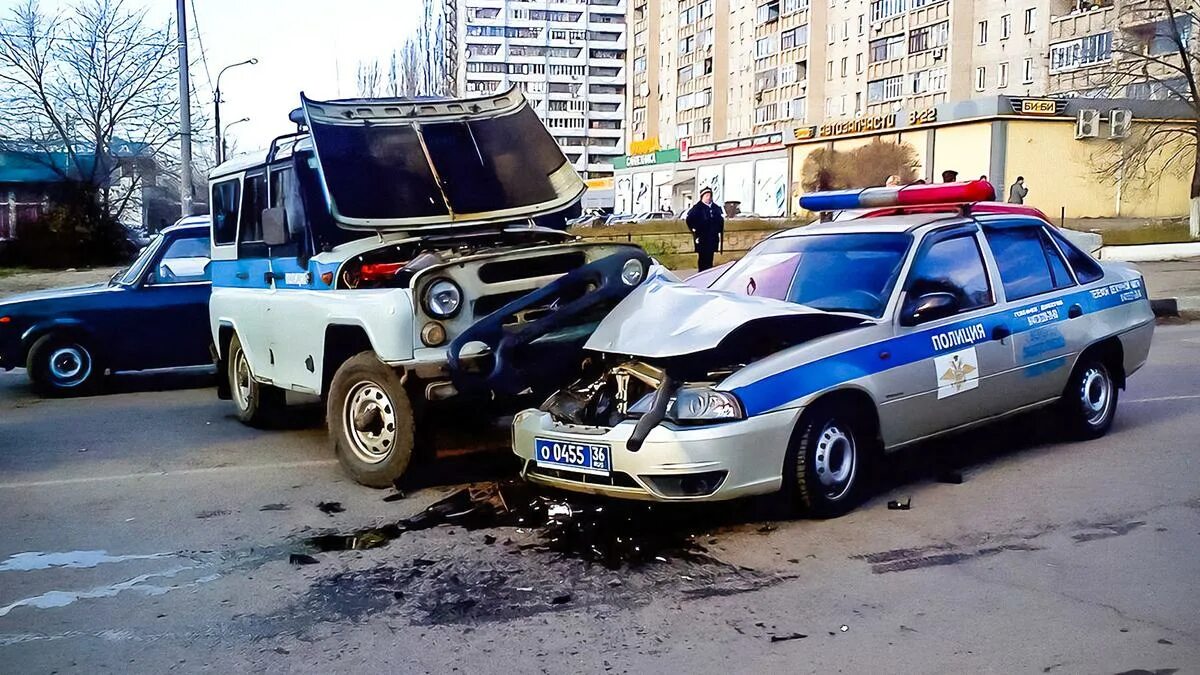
(826, 346)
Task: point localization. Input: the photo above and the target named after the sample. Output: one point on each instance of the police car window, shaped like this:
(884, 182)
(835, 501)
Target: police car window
(254, 200)
(1028, 262)
(185, 260)
(1086, 269)
(226, 197)
(953, 266)
(832, 272)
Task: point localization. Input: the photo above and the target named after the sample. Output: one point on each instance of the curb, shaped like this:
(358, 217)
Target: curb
(1165, 307)
(1187, 308)
(1150, 252)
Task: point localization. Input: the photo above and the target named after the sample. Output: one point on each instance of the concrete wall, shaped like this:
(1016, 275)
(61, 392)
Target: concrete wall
(1063, 172)
(965, 148)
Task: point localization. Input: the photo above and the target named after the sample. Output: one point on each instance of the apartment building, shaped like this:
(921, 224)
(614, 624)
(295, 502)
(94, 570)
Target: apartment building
(567, 57)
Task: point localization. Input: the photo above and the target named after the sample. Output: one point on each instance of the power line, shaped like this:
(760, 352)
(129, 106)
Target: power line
(200, 42)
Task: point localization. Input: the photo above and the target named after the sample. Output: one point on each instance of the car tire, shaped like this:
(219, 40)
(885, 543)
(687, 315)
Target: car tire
(1089, 402)
(825, 470)
(258, 405)
(371, 422)
(61, 364)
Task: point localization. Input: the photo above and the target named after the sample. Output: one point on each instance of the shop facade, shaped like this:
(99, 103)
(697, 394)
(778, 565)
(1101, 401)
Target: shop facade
(1064, 148)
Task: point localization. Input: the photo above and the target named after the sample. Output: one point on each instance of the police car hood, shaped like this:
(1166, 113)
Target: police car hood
(426, 164)
(665, 318)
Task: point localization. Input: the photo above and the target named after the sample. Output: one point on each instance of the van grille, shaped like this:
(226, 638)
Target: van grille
(527, 268)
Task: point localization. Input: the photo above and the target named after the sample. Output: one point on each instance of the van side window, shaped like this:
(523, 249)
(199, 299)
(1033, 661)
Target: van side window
(226, 196)
(253, 202)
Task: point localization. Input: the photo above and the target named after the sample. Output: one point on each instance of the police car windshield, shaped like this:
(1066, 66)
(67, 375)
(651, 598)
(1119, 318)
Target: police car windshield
(832, 272)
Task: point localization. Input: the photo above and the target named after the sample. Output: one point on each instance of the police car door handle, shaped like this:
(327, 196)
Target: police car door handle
(242, 275)
(1075, 312)
(268, 277)
(1000, 332)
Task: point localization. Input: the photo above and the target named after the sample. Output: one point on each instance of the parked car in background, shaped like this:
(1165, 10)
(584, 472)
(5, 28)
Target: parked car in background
(654, 215)
(152, 314)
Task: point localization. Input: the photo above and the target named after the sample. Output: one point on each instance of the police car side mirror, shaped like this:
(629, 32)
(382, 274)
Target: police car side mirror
(928, 307)
(274, 226)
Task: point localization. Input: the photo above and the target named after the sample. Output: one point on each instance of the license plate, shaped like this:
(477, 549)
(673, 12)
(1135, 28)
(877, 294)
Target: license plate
(584, 457)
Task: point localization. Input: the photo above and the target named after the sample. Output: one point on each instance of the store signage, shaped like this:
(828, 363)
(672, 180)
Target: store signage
(927, 116)
(804, 133)
(736, 146)
(1038, 106)
(658, 157)
(859, 125)
(647, 146)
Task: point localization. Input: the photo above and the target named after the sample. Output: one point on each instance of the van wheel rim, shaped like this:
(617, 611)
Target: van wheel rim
(242, 382)
(836, 461)
(70, 365)
(1096, 395)
(369, 420)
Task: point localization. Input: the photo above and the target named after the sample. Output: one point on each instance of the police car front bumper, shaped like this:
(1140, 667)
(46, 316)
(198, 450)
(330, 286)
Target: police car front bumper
(674, 464)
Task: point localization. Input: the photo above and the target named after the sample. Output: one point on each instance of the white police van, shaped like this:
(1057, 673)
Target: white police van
(352, 254)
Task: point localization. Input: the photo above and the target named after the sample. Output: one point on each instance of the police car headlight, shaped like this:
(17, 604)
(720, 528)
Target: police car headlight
(443, 298)
(632, 272)
(701, 404)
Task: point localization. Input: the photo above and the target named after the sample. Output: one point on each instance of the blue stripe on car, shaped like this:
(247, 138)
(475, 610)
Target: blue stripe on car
(784, 387)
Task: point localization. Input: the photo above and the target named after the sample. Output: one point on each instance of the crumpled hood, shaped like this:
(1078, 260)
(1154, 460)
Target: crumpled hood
(665, 318)
(52, 294)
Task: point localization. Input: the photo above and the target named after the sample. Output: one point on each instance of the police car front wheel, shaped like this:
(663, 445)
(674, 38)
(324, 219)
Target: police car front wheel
(825, 470)
(370, 421)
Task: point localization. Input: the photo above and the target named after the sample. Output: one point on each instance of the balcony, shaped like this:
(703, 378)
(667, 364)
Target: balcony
(1074, 23)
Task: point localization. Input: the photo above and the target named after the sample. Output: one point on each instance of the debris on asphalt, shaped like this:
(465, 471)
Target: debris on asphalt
(767, 529)
(302, 559)
(330, 508)
(561, 599)
(396, 496)
(789, 636)
(845, 628)
(900, 506)
(489, 539)
(273, 507)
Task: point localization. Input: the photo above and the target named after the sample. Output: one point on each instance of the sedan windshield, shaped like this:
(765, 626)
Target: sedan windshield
(134, 272)
(832, 272)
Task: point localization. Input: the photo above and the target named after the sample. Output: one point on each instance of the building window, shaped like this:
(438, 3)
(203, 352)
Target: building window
(928, 37)
(845, 63)
(887, 89)
(768, 13)
(980, 78)
(1005, 26)
(1080, 52)
(846, 29)
(858, 103)
(764, 114)
(1002, 78)
(858, 63)
(929, 81)
(1030, 20)
(832, 33)
(764, 47)
(829, 71)
(1027, 74)
(982, 32)
(861, 23)
(882, 9)
(886, 48)
(787, 39)
(685, 74)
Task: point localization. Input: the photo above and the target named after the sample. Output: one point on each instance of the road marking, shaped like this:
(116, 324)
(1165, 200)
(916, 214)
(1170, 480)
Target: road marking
(168, 474)
(1181, 397)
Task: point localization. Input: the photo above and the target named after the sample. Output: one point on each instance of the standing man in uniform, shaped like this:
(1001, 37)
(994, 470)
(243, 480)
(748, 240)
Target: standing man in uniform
(707, 223)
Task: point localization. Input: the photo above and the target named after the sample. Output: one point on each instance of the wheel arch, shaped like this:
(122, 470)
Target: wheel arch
(1111, 352)
(64, 325)
(848, 397)
(342, 342)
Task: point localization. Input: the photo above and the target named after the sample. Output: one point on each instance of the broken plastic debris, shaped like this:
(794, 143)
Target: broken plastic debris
(561, 599)
(900, 506)
(789, 636)
(302, 559)
(845, 628)
(330, 508)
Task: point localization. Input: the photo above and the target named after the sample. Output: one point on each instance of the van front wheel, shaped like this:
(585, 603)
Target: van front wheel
(370, 419)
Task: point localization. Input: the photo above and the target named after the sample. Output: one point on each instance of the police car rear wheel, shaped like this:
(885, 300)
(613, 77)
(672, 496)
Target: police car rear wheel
(62, 365)
(1090, 400)
(370, 418)
(257, 404)
(824, 471)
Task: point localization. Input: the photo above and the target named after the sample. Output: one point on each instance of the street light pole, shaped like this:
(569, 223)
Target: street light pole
(185, 116)
(225, 135)
(220, 149)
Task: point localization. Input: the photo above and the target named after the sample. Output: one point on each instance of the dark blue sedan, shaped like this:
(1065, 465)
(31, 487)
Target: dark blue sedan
(153, 314)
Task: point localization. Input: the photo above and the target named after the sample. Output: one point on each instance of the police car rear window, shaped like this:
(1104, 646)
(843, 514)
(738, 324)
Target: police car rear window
(1086, 269)
(1029, 263)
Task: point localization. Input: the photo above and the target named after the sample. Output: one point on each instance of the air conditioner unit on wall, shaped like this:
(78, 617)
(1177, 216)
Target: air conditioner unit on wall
(1087, 123)
(1120, 123)
(939, 53)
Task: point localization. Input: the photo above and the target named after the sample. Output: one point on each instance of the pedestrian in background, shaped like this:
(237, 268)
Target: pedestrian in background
(707, 223)
(892, 181)
(949, 176)
(1016, 193)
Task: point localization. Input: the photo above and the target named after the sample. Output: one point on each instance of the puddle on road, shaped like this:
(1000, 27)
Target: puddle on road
(536, 554)
(38, 560)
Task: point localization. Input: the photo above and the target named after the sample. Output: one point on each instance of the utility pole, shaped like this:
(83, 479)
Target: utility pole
(185, 116)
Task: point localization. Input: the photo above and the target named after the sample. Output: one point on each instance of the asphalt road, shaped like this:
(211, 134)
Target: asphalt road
(147, 531)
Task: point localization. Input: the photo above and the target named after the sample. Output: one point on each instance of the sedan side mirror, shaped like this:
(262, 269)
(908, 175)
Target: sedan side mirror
(928, 307)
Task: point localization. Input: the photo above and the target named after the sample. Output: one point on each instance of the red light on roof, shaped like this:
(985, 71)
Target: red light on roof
(970, 191)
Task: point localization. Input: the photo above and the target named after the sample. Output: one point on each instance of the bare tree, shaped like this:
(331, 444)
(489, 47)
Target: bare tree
(1156, 54)
(94, 85)
(424, 64)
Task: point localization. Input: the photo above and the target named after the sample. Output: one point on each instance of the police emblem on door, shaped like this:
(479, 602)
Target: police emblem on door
(956, 372)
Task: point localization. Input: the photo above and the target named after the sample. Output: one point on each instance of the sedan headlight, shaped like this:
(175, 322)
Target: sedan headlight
(696, 404)
(443, 299)
(632, 272)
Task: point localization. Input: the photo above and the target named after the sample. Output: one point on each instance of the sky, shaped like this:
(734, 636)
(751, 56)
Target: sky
(312, 46)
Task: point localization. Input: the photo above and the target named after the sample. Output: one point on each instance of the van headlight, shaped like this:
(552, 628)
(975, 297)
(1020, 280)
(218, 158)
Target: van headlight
(632, 272)
(443, 298)
(696, 404)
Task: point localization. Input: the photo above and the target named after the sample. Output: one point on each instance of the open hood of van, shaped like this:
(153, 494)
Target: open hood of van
(417, 164)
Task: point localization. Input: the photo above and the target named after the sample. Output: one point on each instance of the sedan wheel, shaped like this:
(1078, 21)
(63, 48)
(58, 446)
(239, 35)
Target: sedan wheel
(824, 472)
(1089, 403)
(59, 365)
